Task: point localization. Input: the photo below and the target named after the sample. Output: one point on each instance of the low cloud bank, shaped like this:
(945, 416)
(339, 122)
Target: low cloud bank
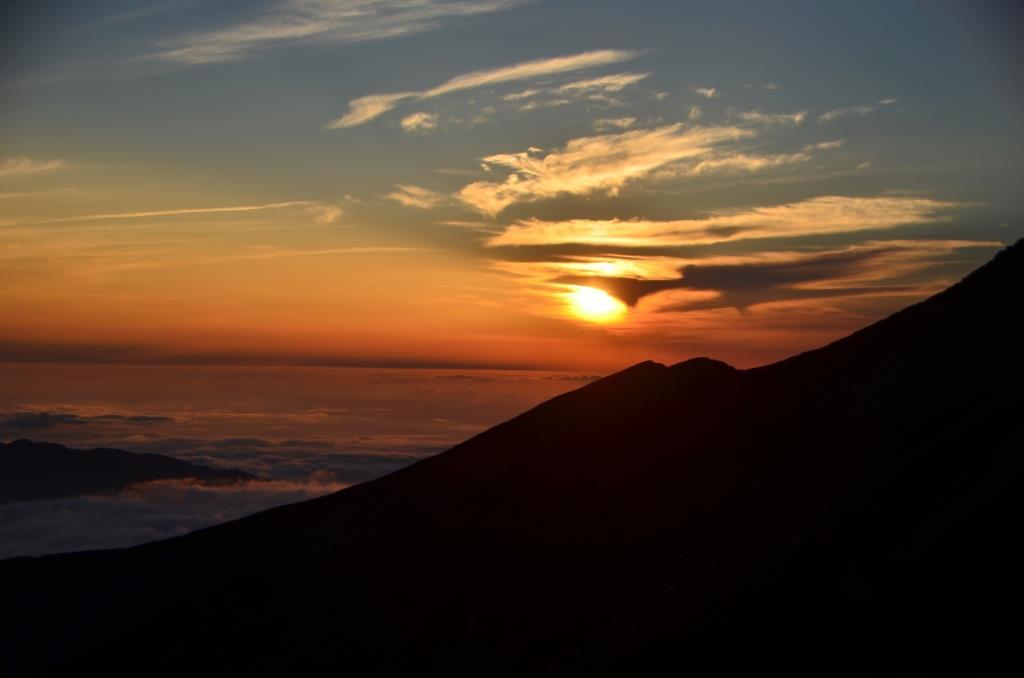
(142, 513)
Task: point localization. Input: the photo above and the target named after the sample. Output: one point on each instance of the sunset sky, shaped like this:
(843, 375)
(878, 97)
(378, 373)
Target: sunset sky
(493, 183)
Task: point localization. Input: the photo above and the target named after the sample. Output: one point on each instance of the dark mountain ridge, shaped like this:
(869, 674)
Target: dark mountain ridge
(36, 470)
(849, 511)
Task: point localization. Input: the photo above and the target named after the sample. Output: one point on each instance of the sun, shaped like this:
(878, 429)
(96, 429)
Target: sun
(595, 305)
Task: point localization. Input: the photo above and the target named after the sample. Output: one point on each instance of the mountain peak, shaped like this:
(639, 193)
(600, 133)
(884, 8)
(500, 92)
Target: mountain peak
(703, 365)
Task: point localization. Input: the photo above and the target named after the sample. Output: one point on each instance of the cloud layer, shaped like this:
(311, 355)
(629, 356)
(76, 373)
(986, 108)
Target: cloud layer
(142, 513)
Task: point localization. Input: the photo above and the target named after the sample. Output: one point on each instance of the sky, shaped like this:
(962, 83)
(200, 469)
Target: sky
(493, 183)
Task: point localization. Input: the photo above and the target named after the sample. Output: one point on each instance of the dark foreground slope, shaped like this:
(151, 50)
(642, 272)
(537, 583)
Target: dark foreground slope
(850, 511)
(34, 470)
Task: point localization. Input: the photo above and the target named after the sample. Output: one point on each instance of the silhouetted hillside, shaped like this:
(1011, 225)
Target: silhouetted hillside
(34, 470)
(850, 511)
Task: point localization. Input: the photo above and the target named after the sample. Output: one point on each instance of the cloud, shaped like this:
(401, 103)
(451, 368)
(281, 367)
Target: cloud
(17, 165)
(759, 118)
(606, 83)
(597, 89)
(737, 162)
(519, 96)
(58, 352)
(415, 196)
(862, 110)
(815, 216)
(706, 92)
(23, 421)
(833, 145)
(419, 122)
(532, 69)
(695, 112)
(365, 109)
(336, 21)
(368, 107)
(323, 213)
(743, 282)
(605, 124)
(592, 164)
(550, 103)
(142, 513)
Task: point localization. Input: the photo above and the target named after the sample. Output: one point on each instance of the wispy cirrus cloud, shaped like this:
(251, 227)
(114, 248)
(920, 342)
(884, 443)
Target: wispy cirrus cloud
(605, 124)
(322, 213)
(524, 94)
(759, 118)
(337, 21)
(861, 110)
(815, 216)
(603, 84)
(601, 89)
(19, 165)
(592, 164)
(832, 145)
(737, 163)
(415, 196)
(366, 108)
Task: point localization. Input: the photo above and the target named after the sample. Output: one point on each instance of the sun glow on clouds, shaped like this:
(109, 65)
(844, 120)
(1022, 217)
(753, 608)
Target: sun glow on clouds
(822, 215)
(415, 196)
(598, 164)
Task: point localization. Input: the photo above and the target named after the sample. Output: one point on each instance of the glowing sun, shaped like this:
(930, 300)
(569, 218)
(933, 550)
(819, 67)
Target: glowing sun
(596, 305)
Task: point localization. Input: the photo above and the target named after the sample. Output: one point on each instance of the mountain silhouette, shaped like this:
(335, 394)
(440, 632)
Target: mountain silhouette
(36, 470)
(853, 510)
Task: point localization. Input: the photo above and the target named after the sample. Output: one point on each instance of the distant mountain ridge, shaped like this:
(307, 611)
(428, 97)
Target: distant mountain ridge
(850, 511)
(36, 470)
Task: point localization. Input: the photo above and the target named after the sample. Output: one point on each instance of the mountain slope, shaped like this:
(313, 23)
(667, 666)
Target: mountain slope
(35, 470)
(848, 511)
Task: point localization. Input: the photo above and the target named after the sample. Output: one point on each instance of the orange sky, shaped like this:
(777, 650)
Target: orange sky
(391, 190)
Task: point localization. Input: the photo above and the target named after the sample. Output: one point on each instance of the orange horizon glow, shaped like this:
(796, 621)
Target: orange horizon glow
(522, 202)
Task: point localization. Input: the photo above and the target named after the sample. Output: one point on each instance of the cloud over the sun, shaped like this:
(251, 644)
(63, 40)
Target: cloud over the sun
(874, 267)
